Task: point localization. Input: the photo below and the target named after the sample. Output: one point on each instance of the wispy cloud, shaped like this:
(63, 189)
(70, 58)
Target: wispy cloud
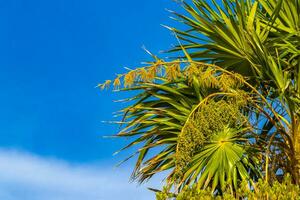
(24, 176)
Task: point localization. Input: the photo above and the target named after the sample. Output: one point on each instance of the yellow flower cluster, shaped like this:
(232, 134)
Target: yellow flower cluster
(209, 119)
(208, 75)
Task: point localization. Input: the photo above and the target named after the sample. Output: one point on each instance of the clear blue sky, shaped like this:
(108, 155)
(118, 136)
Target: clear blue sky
(53, 53)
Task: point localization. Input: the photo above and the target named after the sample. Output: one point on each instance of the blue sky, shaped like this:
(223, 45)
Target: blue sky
(52, 54)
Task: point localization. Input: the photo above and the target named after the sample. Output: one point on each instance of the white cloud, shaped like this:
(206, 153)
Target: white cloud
(25, 176)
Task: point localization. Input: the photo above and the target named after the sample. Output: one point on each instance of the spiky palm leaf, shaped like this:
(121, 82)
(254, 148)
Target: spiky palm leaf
(257, 41)
(213, 148)
(165, 109)
(223, 160)
(260, 40)
(156, 119)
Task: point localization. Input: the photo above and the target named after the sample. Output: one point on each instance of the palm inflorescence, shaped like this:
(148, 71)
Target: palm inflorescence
(228, 110)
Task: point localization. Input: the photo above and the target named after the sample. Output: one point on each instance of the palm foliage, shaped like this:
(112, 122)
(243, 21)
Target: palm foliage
(228, 110)
(260, 40)
(175, 111)
(285, 190)
(156, 118)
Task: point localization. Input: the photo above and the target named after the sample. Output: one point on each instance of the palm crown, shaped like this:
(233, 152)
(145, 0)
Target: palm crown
(228, 110)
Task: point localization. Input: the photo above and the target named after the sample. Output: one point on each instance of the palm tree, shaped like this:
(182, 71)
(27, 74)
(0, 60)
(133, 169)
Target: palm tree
(228, 110)
(259, 40)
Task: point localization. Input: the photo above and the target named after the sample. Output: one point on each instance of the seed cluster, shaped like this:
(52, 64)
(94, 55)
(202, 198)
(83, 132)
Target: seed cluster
(208, 120)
